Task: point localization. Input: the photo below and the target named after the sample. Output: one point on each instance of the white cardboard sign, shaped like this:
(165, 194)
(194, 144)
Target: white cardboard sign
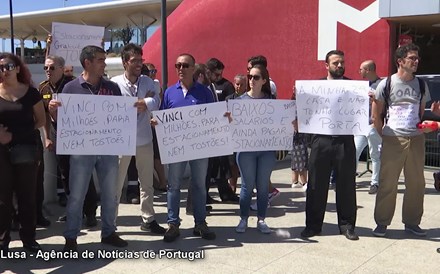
(192, 132)
(262, 125)
(96, 125)
(335, 107)
(69, 39)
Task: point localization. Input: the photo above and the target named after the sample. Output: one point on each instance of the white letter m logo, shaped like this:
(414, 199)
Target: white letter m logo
(333, 11)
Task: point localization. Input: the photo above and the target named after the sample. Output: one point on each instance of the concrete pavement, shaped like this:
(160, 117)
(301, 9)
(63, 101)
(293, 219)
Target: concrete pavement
(283, 251)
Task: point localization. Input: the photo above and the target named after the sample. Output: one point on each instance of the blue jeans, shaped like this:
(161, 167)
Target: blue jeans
(255, 169)
(81, 168)
(198, 189)
(374, 142)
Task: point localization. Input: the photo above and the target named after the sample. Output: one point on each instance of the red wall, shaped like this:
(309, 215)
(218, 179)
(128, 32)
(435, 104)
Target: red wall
(285, 31)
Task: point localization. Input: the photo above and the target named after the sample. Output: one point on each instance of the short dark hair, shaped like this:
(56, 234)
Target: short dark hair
(214, 64)
(258, 60)
(130, 50)
(89, 53)
(190, 56)
(201, 69)
(402, 51)
(24, 76)
(333, 52)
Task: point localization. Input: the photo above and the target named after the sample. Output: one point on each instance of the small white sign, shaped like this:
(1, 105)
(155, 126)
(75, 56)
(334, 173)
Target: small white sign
(68, 40)
(96, 125)
(192, 132)
(335, 107)
(262, 125)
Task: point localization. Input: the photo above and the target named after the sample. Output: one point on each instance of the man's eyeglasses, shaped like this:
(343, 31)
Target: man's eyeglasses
(255, 77)
(7, 67)
(413, 58)
(136, 61)
(181, 65)
(52, 68)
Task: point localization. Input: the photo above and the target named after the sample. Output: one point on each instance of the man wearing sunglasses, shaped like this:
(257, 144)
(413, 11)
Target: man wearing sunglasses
(223, 87)
(54, 67)
(187, 92)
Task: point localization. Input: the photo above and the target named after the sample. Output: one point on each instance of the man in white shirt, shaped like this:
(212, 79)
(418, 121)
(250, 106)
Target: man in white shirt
(133, 84)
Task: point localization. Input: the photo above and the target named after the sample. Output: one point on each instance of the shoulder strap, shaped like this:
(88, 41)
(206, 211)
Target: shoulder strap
(422, 87)
(422, 93)
(386, 97)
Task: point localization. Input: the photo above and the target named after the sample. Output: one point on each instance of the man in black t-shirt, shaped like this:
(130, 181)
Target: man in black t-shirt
(223, 87)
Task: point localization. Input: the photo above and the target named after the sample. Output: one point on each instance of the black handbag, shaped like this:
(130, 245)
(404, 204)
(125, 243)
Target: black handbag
(23, 154)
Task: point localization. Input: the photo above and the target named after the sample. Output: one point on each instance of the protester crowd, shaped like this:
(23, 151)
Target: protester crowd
(28, 125)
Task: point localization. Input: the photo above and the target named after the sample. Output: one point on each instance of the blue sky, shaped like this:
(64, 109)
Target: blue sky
(19, 6)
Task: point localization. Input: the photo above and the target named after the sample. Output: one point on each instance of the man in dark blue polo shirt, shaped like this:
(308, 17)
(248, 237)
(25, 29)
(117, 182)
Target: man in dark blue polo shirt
(187, 92)
(93, 83)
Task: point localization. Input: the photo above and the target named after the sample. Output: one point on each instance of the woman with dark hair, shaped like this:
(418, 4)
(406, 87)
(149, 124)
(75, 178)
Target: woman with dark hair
(255, 166)
(21, 113)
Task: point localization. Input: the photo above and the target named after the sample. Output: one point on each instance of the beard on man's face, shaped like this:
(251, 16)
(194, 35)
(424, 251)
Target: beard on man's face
(338, 73)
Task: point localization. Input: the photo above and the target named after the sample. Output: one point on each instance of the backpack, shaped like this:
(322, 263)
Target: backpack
(386, 95)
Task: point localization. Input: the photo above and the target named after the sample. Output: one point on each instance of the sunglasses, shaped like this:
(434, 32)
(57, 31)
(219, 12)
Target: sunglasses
(255, 77)
(7, 67)
(413, 58)
(153, 71)
(49, 68)
(136, 61)
(181, 65)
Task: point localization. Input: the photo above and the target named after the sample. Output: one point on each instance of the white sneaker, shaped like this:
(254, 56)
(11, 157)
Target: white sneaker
(242, 225)
(262, 227)
(304, 187)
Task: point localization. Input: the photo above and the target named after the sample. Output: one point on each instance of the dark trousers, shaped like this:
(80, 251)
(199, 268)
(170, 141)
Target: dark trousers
(219, 173)
(91, 199)
(329, 153)
(21, 179)
(132, 175)
(40, 177)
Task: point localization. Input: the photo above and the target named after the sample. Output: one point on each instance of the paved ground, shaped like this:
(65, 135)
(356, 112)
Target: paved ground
(280, 252)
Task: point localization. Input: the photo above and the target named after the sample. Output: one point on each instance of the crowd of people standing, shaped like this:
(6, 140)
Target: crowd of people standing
(315, 158)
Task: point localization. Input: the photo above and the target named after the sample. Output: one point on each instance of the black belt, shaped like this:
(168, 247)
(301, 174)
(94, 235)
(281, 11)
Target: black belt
(334, 136)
